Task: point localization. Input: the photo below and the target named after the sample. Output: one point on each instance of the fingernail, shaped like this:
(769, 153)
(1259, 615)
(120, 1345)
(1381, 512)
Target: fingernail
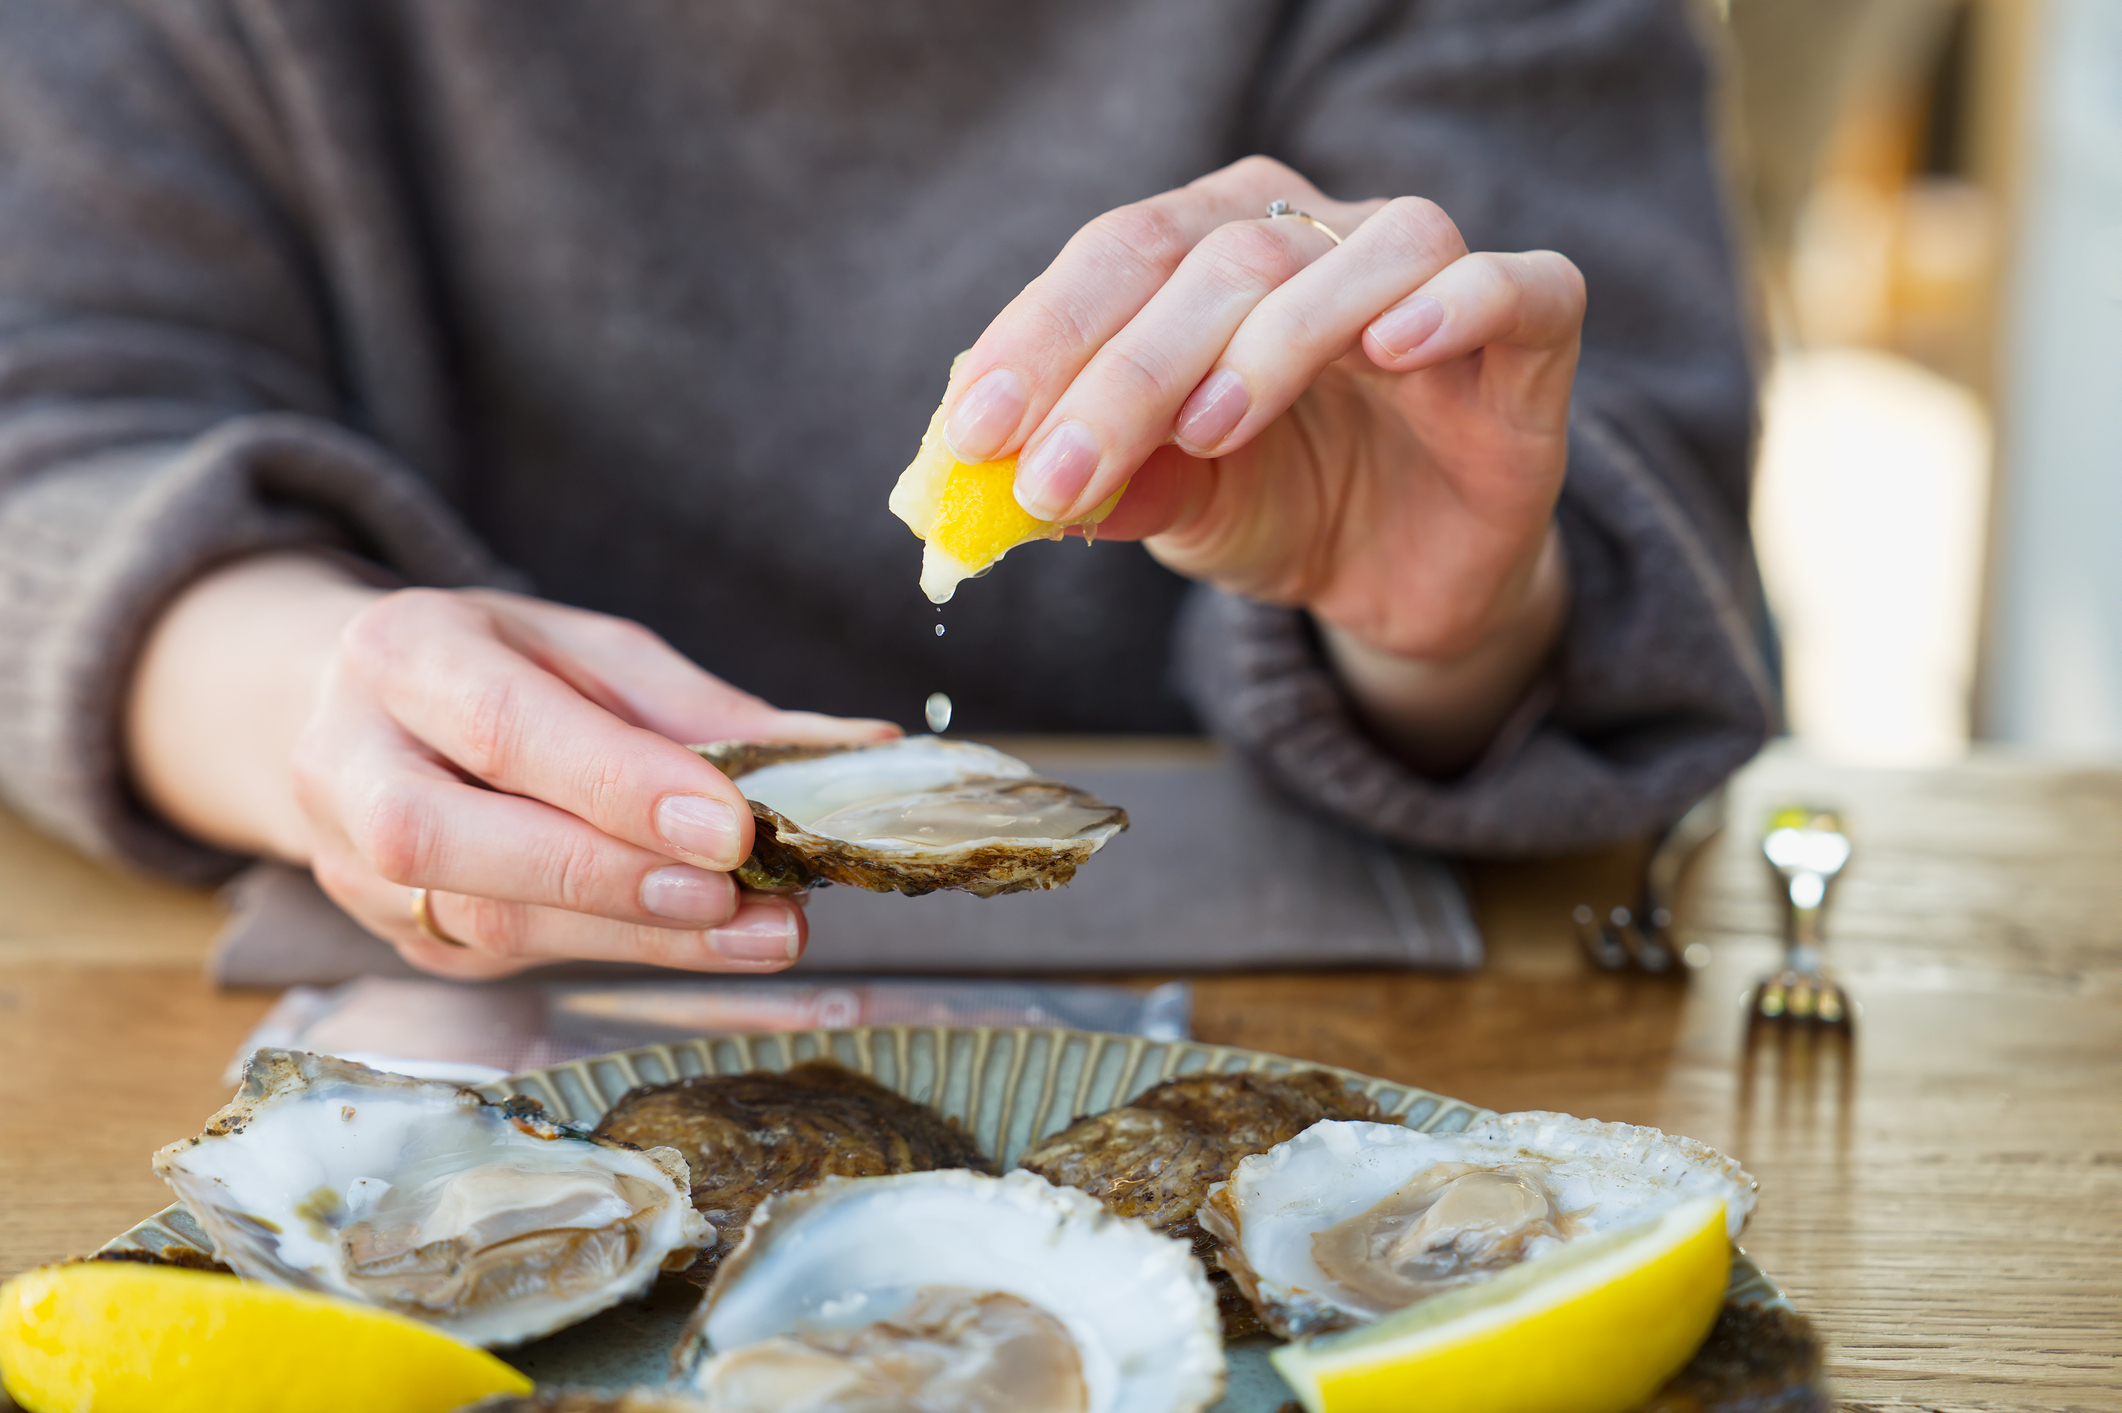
(703, 828)
(985, 415)
(1216, 407)
(1401, 329)
(760, 935)
(686, 894)
(1054, 472)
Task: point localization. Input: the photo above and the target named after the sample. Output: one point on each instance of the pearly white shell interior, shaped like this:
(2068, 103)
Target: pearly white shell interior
(922, 793)
(320, 1151)
(854, 1252)
(1605, 1175)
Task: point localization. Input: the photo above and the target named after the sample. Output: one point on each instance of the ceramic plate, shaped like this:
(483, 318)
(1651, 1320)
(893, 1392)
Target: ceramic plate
(1009, 1087)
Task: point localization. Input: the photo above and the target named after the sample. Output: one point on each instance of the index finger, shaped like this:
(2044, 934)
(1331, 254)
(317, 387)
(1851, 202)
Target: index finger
(1033, 350)
(438, 665)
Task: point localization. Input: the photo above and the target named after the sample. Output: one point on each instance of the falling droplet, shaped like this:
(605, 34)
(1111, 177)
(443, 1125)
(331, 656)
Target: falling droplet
(939, 630)
(937, 711)
(1090, 533)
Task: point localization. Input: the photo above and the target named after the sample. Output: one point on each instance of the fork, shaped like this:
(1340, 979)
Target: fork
(1641, 939)
(1806, 846)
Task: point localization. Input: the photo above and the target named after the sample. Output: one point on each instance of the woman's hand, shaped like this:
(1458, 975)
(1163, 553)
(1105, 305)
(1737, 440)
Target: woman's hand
(1374, 431)
(518, 759)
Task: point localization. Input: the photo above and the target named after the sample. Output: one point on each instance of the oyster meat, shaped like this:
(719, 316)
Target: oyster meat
(1349, 1221)
(746, 1137)
(483, 1219)
(952, 1292)
(1157, 1156)
(909, 816)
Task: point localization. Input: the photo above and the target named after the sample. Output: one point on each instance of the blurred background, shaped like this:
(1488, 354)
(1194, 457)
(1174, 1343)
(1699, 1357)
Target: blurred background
(1936, 194)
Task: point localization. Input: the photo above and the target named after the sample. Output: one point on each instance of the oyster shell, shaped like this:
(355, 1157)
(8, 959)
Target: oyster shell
(909, 816)
(746, 1137)
(1349, 1221)
(1157, 1156)
(950, 1290)
(484, 1219)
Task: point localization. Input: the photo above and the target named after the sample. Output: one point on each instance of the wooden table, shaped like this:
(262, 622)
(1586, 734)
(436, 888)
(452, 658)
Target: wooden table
(1946, 1201)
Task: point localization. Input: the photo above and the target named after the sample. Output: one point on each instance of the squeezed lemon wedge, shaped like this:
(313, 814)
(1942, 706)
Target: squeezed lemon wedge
(967, 512)
(119, 1338)
(1596, 1326)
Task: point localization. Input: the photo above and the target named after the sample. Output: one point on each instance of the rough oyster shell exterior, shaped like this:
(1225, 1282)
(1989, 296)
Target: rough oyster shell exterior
(788, 858)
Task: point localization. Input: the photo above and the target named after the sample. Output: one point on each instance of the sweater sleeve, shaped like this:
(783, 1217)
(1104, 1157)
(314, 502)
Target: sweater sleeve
(174, 391)
(1581, 126)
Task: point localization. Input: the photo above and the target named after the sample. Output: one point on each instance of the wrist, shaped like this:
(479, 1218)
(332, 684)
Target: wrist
(226, 681)
(1440, 713)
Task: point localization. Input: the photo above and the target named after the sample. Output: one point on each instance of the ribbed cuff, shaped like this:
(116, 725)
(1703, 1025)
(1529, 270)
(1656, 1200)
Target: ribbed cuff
(94, 549)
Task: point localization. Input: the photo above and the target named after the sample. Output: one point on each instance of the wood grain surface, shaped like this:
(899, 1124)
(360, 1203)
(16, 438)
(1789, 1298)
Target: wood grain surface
(1944, 1197)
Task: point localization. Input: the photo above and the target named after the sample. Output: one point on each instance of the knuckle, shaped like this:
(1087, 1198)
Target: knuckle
(636, 637)
(1133, 371)
(1500, 275)
(1564, 272)
(489, 726)
(1420, 229)
(1246, 255)
(395, 831)
(577, 874)
(496, 927)
(1057, 314)
(1257, 168)
(390, 630)
(607, 782)
(1145, 233)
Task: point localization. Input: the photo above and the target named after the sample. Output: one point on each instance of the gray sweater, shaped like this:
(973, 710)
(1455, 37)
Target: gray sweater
(646, 302)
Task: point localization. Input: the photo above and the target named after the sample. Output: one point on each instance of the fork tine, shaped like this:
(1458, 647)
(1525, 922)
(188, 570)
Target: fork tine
(1772, 999)
(1605, 950)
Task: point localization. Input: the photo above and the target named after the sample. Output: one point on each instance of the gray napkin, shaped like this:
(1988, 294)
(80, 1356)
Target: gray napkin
(1215, 873)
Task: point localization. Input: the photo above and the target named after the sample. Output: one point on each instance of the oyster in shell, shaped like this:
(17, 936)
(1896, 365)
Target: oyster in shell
(953, 1291)
(1350, 1221)
(746, 1137)
(483, 1219)
(909, 816)
(1157, 1156)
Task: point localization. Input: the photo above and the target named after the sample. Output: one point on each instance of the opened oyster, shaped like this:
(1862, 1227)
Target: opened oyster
(484, 1219)
(1349, 1221)
(746, 1137)
(1156, 1157)
(957, 1293)
(909, 816)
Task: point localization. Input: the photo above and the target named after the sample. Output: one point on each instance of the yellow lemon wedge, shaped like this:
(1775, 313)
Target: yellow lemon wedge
(1595, 1326)
(967, 513)
(119, 1338)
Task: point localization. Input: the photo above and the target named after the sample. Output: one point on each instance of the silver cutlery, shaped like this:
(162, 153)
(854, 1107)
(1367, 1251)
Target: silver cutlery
(1641, 938)
(1807, 847)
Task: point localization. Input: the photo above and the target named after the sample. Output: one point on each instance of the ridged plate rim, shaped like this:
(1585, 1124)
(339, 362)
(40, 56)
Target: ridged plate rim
(1004, 1083)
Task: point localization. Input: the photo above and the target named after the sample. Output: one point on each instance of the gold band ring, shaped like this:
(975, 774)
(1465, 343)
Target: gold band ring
(1283, 208)
(424, 919)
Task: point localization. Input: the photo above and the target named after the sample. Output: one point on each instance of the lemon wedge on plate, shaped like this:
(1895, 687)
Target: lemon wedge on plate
(1595, 1326)
(967, 512)
(112, 1337)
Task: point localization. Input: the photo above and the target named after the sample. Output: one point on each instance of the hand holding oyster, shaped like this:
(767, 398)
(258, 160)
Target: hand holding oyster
(910, 816)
